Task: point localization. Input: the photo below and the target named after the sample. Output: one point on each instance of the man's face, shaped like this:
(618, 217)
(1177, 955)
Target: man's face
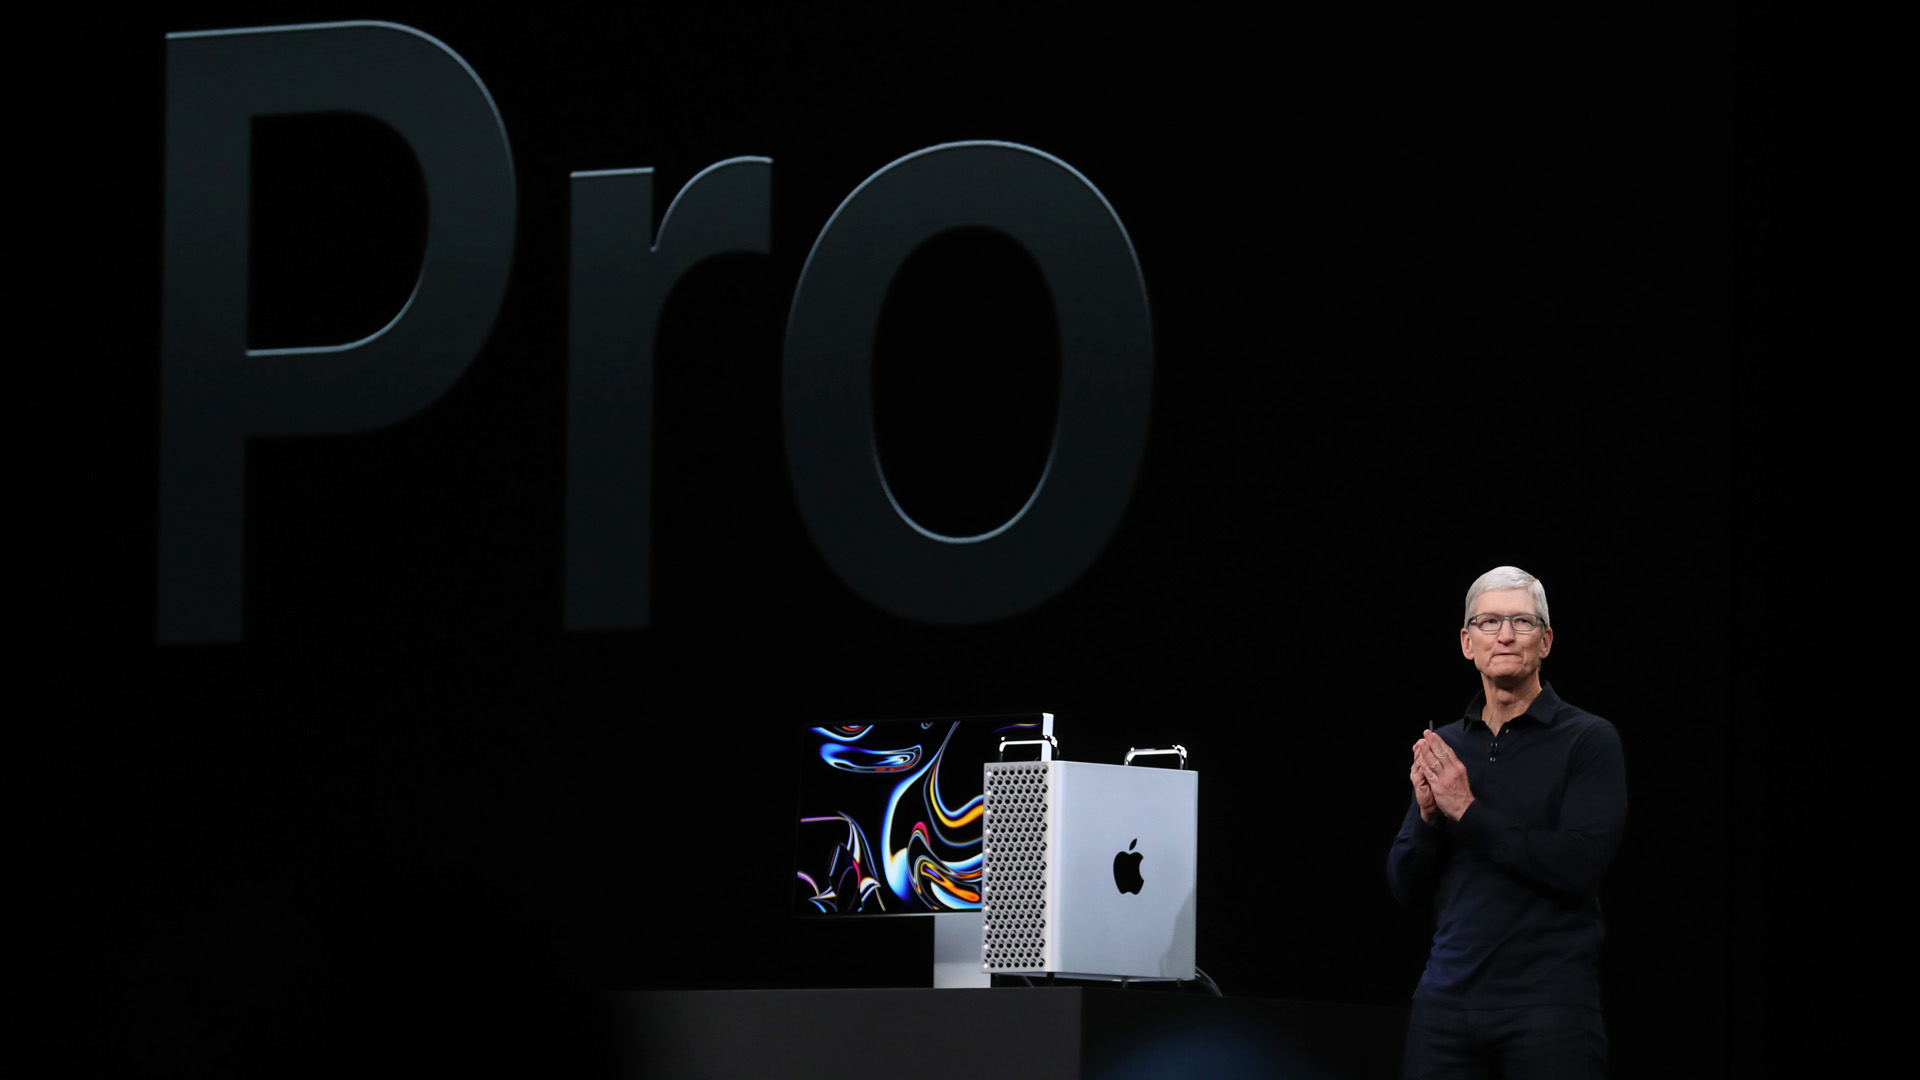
(1504, 656)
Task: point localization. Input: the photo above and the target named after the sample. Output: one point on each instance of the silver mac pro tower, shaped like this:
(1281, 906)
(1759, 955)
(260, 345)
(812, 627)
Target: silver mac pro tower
(1088, 870)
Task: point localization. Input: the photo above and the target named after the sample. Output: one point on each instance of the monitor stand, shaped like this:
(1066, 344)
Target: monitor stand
(957, 936)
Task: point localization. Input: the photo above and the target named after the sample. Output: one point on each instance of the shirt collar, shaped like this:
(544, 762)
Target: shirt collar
(1544, 709)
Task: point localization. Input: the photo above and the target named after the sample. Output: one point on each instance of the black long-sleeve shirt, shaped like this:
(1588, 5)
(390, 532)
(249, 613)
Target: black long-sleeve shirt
(1514, 882)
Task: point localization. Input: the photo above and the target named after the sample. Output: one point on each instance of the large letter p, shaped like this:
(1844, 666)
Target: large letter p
(215, 394)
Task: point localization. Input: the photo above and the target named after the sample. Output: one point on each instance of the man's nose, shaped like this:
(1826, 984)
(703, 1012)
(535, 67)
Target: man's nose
(1506, 630)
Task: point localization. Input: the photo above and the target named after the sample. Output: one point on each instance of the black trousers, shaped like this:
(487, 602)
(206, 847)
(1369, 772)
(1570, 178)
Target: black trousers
(1532, 1042)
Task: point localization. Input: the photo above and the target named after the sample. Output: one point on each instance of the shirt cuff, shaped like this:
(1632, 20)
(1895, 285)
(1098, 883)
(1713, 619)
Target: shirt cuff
(1427, 835)
(1480, 823)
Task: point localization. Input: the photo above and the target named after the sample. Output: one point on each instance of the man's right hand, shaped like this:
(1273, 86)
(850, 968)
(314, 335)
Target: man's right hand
(1422, 793)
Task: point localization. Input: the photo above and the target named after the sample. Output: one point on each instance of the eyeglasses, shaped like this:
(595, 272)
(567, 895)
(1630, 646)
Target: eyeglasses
(1490, 624)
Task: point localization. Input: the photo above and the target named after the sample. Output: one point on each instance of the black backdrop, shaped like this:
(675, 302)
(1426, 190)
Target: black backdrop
(1430, 293)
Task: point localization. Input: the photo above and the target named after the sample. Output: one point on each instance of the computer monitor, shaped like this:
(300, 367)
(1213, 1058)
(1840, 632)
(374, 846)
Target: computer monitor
(890, 813)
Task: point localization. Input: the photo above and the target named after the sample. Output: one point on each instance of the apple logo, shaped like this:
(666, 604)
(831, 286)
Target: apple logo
(1126, 869)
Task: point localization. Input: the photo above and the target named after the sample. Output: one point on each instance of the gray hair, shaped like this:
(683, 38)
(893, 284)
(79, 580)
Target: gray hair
(1508, 577)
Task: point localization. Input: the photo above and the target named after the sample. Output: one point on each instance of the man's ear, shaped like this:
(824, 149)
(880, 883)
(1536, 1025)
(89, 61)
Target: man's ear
(1466, 648)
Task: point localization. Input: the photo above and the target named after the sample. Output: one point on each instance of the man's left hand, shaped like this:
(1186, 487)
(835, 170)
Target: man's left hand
(1446, 776)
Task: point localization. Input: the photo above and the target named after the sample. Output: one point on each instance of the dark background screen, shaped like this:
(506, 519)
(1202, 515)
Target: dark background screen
(1431, 292)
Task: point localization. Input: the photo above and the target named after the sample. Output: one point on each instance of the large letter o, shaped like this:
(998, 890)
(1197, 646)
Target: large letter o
(1106, 382)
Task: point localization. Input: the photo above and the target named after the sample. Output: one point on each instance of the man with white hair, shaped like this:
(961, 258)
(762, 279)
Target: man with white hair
(1517, 809)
